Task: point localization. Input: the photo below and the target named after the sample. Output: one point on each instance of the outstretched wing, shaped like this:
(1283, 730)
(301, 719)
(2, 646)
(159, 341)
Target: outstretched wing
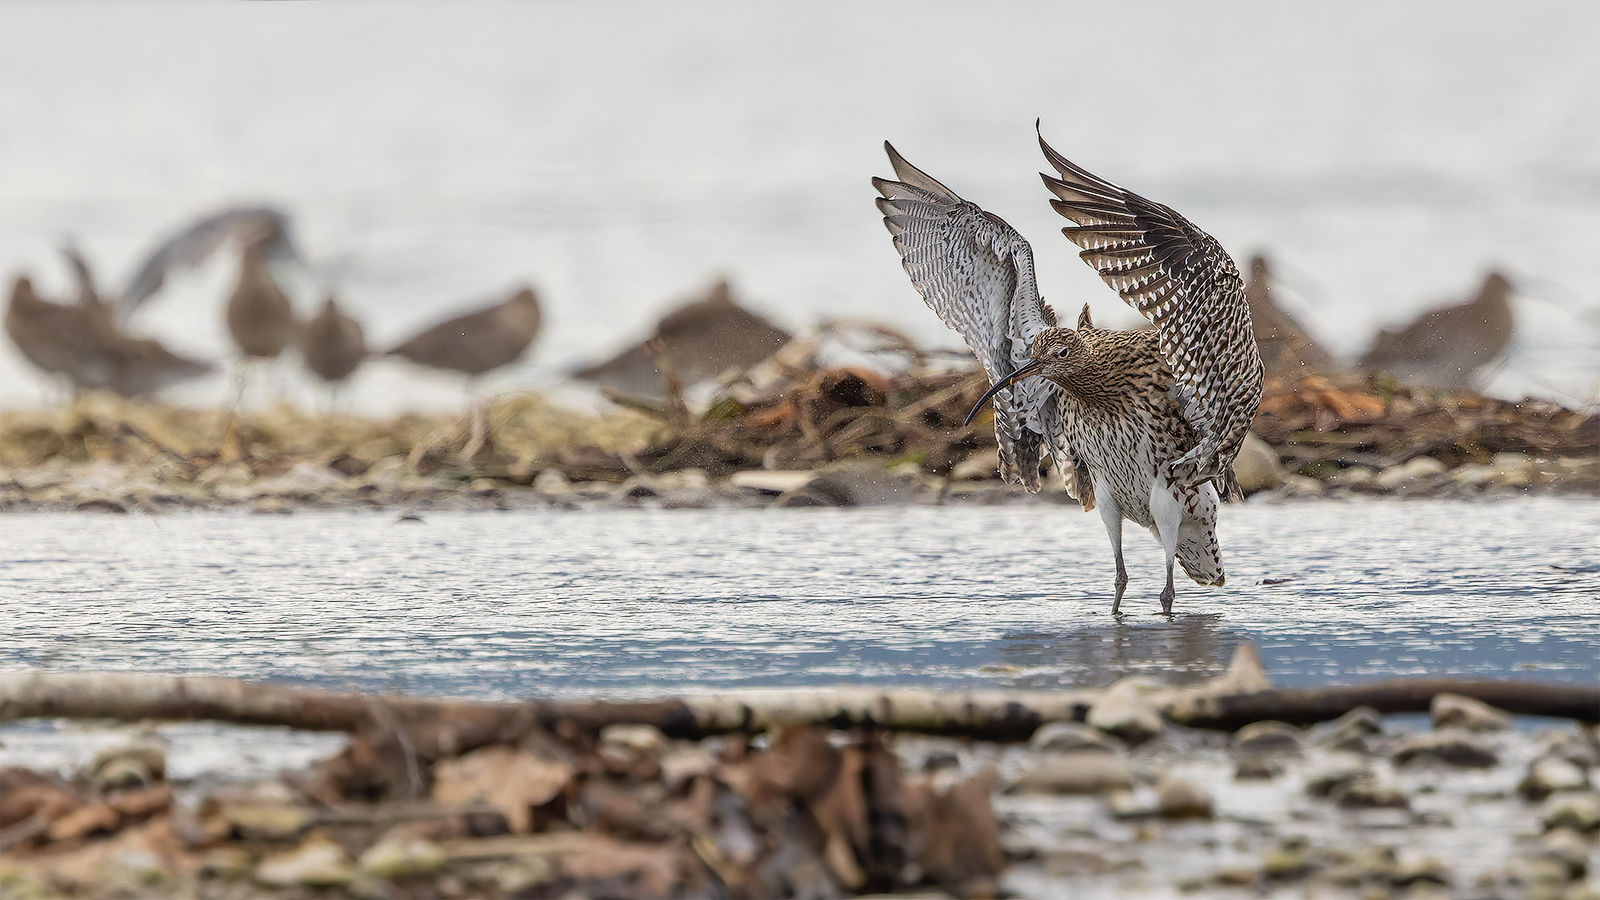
(976, 272)
(1182, 280)
(194, 244)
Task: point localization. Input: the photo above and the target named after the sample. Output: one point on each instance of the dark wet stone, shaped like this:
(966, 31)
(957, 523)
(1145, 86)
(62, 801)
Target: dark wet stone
(1257, 768)
(1349, 731)
(1368, 793)
(1333, 774)
(1451, 747)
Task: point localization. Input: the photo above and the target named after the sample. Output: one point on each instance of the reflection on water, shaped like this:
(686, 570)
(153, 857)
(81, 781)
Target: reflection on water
(629, 602)
(1189, 648)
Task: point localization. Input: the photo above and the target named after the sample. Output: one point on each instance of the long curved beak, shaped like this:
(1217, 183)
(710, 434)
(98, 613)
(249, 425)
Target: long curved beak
(1032, 368)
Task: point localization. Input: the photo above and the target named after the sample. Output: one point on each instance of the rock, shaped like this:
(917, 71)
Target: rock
(266, 821)
(1570, 746)
(140, 763)
(1578, 811)
(1456, 711)
(397, 856)
(1061, 737)
(1568, 846)
(1349, 731)
(1257, 768)
(1451, 747)
(1077, 772)
(1542, 876)
(1550, 774)
(646, 740)
(1368, 793)
(1413, 865)
(1338, 771)
(317, 861)
(772, 481)
(1421, 470)
(1179, 799)
(303, 481)
(1267, 738)
(982, 465)
(1257, 467)
(1131, 805)
(1290, 861)
(1121, 711)
(853, 482)
(552, 483)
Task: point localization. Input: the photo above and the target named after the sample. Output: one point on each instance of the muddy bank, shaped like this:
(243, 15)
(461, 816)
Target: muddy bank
(798, 436)
(1108, 795)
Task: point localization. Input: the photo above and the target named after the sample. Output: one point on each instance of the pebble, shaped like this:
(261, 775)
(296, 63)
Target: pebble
(1456, 711)
(1257, 768)
(1349, 731)
(1368, 793)
(268, 822)
(1452, 747)
(1075, 772)
(397, 856)
(1337, 771)
(1121, 711)
(1579, 811)
(1569, 847)
(1180, 799)
(1412, 864)
(1063, 737)
(318, 861)
(1267, 738)
(1550, 774)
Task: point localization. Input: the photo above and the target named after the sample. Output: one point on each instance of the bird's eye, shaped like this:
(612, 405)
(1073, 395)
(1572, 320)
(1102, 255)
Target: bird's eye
(1061, 352)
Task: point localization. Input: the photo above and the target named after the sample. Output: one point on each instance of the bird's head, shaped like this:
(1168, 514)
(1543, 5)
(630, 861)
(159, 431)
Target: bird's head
(1058, 354)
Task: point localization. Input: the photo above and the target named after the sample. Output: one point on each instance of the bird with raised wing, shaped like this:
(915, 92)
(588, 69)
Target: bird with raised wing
(1143, 425)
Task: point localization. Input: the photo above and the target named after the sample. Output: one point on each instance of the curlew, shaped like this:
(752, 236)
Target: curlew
(477, 342)
(1144, 425)
(1449, 346)
(83, 343)
(259, 315)
(332, 343)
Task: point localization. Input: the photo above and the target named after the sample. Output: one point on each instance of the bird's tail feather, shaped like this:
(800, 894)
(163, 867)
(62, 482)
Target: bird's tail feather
(1199, 555)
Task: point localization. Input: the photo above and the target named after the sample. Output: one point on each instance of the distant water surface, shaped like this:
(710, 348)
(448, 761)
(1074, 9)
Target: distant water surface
(638, 602)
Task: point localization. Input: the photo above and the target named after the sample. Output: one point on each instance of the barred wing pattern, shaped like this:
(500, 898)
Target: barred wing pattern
(976, 272)
(1182, 280)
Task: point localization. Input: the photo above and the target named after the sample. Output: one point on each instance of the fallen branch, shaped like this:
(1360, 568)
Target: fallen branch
(1304, 706)
(433, 728)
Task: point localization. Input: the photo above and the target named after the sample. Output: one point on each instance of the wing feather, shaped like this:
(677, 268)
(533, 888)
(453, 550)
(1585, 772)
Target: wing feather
(1184, 282)
(194, 244)
(976, 272)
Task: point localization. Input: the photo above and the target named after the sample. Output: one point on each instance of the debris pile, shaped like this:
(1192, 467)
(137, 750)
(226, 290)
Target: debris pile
(624, 813)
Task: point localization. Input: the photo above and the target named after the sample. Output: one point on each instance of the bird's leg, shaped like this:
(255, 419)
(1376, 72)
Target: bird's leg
(1111, 515)
(1167, 511)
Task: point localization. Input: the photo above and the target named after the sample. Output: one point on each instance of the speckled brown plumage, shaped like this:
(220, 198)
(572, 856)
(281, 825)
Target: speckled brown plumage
(1144, 425)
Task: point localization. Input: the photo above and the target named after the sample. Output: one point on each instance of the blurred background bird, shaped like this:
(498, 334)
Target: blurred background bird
(474, 344)
(333, 345)
(1450, 346)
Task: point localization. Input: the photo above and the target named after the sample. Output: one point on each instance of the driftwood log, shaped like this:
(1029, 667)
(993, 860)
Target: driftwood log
(433, 728)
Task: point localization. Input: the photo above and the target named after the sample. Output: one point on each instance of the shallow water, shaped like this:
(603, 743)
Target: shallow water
(633, 602)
